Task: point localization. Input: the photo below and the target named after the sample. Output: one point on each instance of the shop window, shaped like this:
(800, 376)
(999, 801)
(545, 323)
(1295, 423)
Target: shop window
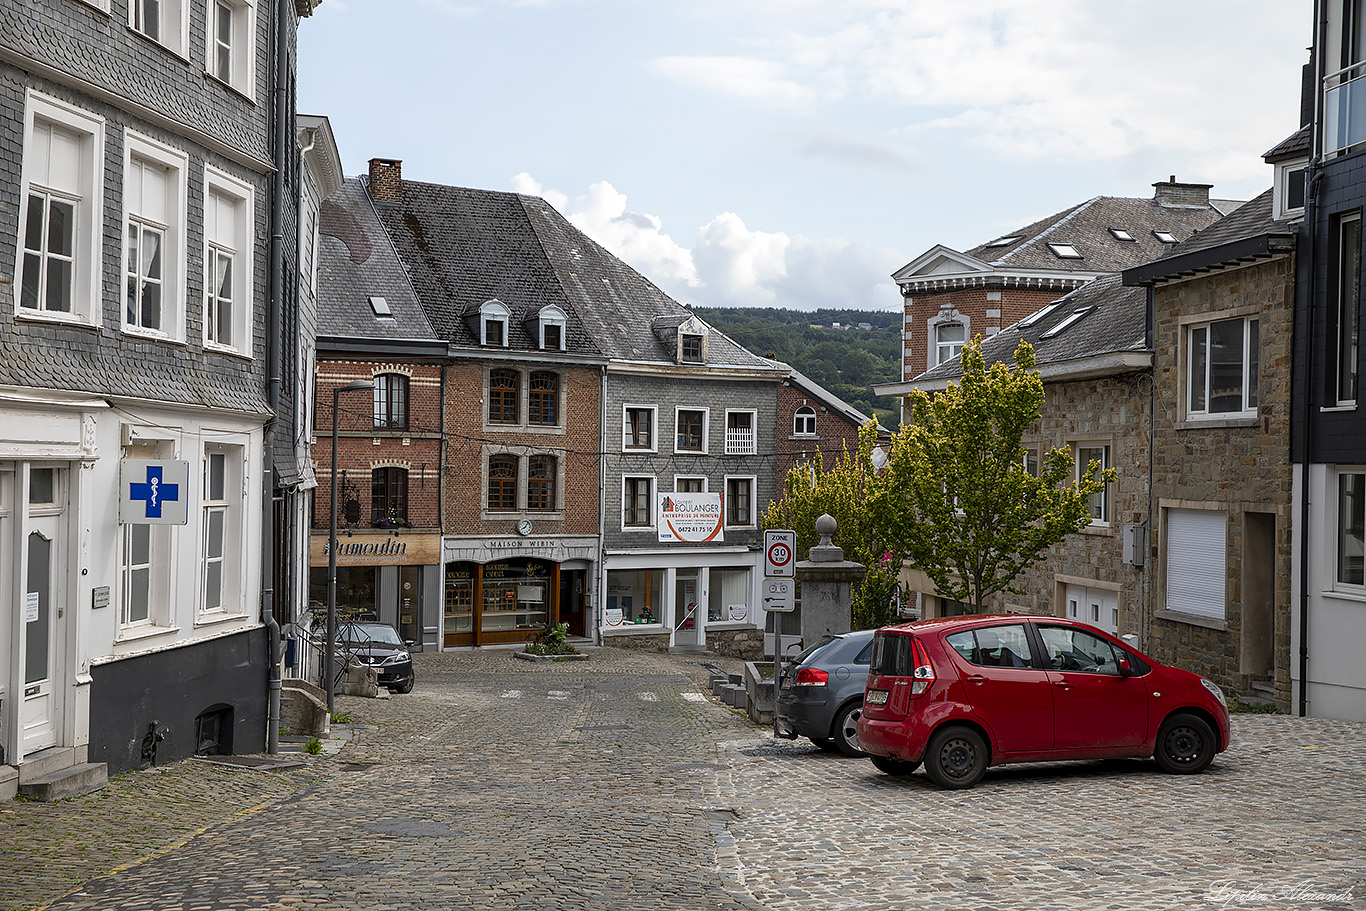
(516, 596)
(504, 386)
(729, 596)
(389, 497)
(543, 405)
(502, 482)
(634, 597)
(540, 489)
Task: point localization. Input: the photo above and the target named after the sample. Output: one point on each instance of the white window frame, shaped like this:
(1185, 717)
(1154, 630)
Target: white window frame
(173, 25)
(1280, 194)
(550, 315)
(310, 215)
(241, 45)
(1079, 469)
(738, 448)
(1250, 396)
(691, 477)
(242, 250)
(626, 410)
(706, 429)
(1196, 576)
(649, 502)
(88, 199)
(804, 414)
(1340, 545)
(139, 151)
(493, 311)
(752, 481)
(945, 351)
(233, 560)
(163, 563)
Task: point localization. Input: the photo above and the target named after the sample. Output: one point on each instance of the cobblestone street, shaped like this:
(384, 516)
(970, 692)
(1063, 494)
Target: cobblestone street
(615, 784)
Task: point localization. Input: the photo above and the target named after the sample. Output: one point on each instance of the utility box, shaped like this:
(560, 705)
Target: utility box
(1135, 544)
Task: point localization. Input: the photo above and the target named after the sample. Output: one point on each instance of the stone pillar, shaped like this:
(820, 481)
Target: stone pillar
(826, 577)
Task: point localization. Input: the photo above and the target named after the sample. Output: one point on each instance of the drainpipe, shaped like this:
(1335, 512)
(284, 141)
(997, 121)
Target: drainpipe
(601, 586)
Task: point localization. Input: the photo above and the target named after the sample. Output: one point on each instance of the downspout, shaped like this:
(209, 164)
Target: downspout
(1145, 619)
(1306, 436)
(274, 341)
(441, 504)
(601, 599)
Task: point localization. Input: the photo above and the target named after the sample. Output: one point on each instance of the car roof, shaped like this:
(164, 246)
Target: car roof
(972, 621)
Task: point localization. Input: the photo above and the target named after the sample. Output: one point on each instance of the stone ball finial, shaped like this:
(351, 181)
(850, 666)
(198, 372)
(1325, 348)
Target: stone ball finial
(825, 527)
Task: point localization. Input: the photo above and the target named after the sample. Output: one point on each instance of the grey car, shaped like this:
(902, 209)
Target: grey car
(822, 692)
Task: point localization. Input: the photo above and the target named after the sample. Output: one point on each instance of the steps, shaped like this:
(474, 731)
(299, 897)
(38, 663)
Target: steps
(58, 773)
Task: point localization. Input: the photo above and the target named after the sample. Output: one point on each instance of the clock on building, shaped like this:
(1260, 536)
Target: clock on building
(524, 527)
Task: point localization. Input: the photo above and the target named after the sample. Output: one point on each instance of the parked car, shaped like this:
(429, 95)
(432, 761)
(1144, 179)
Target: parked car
(963, 693)
(822, 692)
(379, 645)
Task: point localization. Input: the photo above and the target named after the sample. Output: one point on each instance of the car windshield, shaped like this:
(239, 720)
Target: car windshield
(367, 633)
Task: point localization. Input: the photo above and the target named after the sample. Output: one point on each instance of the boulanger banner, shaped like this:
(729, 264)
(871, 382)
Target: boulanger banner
(689, 517)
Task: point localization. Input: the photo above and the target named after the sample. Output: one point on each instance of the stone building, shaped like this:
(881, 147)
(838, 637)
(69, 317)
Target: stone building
(145, 345)
(1221, 505)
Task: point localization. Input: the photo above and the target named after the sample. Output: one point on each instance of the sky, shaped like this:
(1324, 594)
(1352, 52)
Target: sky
(795, 153)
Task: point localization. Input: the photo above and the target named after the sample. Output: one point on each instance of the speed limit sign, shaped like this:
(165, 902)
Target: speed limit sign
(780, 552)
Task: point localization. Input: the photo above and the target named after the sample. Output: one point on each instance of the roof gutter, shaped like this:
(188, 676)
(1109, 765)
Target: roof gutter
(1186, 265)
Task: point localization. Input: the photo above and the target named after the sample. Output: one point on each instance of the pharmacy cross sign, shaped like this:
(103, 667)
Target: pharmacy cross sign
(154, 491)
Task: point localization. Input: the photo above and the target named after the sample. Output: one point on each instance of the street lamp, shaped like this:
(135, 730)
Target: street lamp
(330, 683)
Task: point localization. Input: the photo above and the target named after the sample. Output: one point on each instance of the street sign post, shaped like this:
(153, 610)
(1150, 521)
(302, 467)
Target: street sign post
(779, 597)
(780, 553)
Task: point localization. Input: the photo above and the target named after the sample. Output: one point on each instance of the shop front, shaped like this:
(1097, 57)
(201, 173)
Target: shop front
(385, 577)
(500, 592)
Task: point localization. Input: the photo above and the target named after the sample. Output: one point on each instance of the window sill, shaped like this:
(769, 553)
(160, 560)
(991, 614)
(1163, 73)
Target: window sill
(1099, 529)
(641, 529)
(639, 450)
(240, 93)
(804, 437)
(1329, 409)
(1242, 420)
(149, 335)
(136, 633)
(690, 452)
(748, 452)
(216, 618)
(215, 348)
(1191, 619)
(1357, 595)
(75, 320)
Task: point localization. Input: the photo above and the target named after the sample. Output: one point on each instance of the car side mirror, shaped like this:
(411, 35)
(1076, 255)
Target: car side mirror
(1125, 668)
(409, 643)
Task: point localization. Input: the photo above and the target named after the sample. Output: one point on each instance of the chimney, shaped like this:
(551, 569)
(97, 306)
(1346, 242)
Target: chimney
(1307, 91)
(386, 179)
(1171, 193)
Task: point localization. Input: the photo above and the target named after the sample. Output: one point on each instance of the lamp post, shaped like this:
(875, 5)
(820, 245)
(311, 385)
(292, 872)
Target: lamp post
(329, 670)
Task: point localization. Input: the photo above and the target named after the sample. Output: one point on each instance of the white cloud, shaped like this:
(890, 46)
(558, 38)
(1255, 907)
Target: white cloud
(764, 81)
(729, 264)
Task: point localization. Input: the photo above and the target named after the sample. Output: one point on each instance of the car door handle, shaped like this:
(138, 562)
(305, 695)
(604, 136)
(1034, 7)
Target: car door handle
(978, 679)
(1064, 684)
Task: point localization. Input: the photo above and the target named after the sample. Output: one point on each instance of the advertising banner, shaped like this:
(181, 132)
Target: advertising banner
(689, 517)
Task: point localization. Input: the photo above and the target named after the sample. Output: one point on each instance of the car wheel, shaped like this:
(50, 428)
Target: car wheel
(846, 729)
(407, 685)
(894, 766)
(956, 758)
(825, 743)
(1185, 745)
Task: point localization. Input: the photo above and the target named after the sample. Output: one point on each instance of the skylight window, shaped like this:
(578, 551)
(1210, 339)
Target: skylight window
(1121, 234)
(1064, 251)
(1004, 241)
(1165, 236)
(380, 306)
(1037, 315)
(1070, 320)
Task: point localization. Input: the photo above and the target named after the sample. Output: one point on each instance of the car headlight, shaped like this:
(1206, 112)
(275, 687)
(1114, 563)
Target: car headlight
(1218, 693)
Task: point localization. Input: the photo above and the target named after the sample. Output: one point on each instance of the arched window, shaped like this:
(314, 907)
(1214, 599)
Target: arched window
(493, 323)
(540, 483)
(543, 405)
(389, 496)
(948, 341)
(804, 422)
(391, 401)
(503, 389)
(503, 481)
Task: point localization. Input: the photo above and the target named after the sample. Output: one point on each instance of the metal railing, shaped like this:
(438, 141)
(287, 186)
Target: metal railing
(739, 441)
(1344, 108)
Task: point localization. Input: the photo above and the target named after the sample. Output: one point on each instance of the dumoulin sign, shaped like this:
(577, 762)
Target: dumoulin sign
(377, 550)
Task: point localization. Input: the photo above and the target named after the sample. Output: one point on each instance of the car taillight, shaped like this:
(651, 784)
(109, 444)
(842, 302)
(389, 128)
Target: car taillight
(924, 671)
(810, 676)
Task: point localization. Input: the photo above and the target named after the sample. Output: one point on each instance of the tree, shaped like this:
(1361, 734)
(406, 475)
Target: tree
(956, 497)
(843, 491)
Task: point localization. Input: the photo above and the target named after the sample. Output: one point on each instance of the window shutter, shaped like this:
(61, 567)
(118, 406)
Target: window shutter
(1196, 552)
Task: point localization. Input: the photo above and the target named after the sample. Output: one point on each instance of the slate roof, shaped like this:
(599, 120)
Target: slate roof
(1117, 324)
(1086, 226)
(355, 262)
(847, 411)
(1296, 145)
(463, 247)
(1248, 234)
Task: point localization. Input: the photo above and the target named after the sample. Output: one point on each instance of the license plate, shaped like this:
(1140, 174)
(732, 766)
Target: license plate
(876, 697)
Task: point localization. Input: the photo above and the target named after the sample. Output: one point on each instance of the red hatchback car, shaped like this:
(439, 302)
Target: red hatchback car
(963, 693)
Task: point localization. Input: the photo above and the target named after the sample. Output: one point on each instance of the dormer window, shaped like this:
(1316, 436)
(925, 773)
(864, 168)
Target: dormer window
(493, 324)
(690, 349)
(1065, 251)
(1288, 197)
(548, 328)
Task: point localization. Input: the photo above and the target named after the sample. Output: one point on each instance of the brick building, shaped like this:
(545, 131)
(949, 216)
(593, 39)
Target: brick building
(811, 420)
(146, 333)
(951, 296)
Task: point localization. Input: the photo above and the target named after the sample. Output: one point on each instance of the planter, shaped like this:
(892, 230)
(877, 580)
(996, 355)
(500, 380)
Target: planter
(528, 656)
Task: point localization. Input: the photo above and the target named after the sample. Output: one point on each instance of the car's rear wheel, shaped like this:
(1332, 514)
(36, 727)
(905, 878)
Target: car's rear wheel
(846, 729)
(1186, 744)
(894, 766)
(956, 758)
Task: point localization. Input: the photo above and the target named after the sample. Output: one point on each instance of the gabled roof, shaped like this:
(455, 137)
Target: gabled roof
(1248, 235)
(1109, 338)
(464, 246)
(832, 401)
(1089, 228)
(356, 262)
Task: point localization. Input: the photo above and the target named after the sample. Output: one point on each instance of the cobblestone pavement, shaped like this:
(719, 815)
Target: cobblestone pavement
(614, 784)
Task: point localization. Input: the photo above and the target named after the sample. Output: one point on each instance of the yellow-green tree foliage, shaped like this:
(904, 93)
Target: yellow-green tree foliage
(956, 497)
(811, 490)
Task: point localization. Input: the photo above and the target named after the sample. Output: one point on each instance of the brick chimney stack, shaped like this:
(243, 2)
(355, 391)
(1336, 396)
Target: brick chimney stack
(386, 179)
(1171, 193)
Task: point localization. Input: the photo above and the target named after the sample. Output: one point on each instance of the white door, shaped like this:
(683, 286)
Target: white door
(689, 612)
(42, 610)
(1095, 606)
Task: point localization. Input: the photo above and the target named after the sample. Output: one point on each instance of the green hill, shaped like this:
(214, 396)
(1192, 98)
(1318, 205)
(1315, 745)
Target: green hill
(847, 361)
